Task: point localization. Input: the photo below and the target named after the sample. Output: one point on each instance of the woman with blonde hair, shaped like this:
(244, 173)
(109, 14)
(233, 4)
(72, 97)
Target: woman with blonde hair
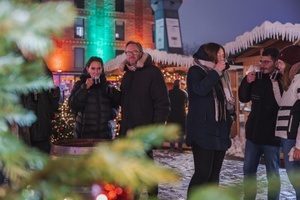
(287, 126)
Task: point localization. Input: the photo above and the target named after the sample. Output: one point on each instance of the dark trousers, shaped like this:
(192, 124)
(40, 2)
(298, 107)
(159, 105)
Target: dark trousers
(153, 192)
(1, 177)
(43, 146)
(207, 164)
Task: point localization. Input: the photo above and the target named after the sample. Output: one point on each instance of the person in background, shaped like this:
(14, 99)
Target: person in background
(1, 177)
(288, 120)
(210, 113)
(44, 104)
(94, 102)
(144, 94)
(179, 102)
(261, 141)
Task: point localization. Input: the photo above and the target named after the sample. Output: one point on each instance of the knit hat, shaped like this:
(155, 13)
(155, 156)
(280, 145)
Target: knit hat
(200, 54)
(290, 54)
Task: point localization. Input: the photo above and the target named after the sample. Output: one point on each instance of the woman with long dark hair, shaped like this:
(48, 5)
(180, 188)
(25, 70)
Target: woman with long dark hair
(211, 108)
(93, 102)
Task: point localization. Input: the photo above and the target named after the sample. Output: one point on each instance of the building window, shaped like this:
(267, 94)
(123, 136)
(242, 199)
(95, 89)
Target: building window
(79, 28)
(79, 3)
(120, 30)
(119, 52)
(119, 5)
(153, 33)
(79, 57)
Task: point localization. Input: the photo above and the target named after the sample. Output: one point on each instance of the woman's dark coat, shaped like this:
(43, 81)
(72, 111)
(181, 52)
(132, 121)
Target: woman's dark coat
(94, 108)
(202, 128)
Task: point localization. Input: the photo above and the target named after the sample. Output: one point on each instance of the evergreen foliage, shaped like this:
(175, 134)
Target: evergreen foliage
(32, 174)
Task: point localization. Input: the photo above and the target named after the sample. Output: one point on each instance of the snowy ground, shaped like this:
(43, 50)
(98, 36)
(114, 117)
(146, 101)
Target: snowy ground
(231, 176)
(231, 173)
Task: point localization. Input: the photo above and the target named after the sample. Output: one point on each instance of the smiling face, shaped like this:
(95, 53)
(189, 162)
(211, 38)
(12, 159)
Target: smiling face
(95, 69)
(133, 54)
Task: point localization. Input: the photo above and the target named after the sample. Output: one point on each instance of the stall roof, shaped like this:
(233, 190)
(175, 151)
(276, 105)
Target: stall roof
(266, 31)
(158, 56)
(254, 39)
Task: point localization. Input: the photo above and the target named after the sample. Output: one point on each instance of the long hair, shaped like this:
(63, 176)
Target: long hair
(211, 49)
(285, 80)
(97, 59)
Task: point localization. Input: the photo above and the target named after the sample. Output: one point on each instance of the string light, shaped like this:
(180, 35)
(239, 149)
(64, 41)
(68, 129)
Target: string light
(63, 123)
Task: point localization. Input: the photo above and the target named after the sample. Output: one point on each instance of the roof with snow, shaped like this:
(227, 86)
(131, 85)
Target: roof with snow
(267, 30)
(158, 56)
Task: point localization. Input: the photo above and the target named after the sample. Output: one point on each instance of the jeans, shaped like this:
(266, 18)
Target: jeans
(207, 164)
(292, 167)
(253, 154)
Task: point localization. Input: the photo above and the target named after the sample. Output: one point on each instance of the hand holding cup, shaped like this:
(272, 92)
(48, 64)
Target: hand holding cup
(276, 75)
(258, 72)
(96, 80)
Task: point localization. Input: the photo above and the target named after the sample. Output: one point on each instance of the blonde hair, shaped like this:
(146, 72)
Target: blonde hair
(285, 80)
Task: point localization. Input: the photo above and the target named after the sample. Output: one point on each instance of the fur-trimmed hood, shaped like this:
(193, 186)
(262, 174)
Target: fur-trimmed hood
(144, 61)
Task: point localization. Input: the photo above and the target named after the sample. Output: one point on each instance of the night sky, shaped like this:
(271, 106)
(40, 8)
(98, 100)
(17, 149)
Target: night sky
(222, 21)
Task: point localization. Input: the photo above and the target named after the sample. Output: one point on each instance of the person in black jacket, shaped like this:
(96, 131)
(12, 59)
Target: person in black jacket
(260, 126)
(44, 104)
(144, 94)
(179, 102)
(94, 103)
(210, 113)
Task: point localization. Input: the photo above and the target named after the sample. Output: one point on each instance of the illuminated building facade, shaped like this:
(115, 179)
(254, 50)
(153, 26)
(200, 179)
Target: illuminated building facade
(101, 28)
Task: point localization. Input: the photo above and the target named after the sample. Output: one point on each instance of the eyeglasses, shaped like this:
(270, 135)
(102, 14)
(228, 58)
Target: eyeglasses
(134, 52)
(265, 62)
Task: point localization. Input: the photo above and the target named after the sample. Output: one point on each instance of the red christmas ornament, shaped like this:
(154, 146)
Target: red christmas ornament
(107, 191)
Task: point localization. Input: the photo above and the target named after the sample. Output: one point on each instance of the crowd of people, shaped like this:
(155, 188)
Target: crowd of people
(272, 126)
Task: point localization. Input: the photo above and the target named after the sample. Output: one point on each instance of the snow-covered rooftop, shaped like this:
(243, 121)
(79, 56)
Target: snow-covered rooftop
(267, 30)
(157, 56)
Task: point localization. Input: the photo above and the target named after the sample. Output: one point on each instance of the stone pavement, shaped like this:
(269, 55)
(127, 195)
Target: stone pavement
(231, 175)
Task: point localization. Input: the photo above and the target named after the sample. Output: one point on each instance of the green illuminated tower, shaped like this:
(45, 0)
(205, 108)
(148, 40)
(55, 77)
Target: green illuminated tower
(100, 32)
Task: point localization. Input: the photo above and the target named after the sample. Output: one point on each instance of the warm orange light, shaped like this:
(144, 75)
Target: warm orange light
(112, 195)
(119, 191)
(57, 60)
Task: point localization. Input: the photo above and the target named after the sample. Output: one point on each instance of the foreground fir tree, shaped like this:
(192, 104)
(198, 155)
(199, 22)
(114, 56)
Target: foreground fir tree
(33, 175)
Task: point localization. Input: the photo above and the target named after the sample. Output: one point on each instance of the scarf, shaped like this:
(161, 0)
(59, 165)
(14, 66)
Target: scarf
(229, 103)
(140, 63)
